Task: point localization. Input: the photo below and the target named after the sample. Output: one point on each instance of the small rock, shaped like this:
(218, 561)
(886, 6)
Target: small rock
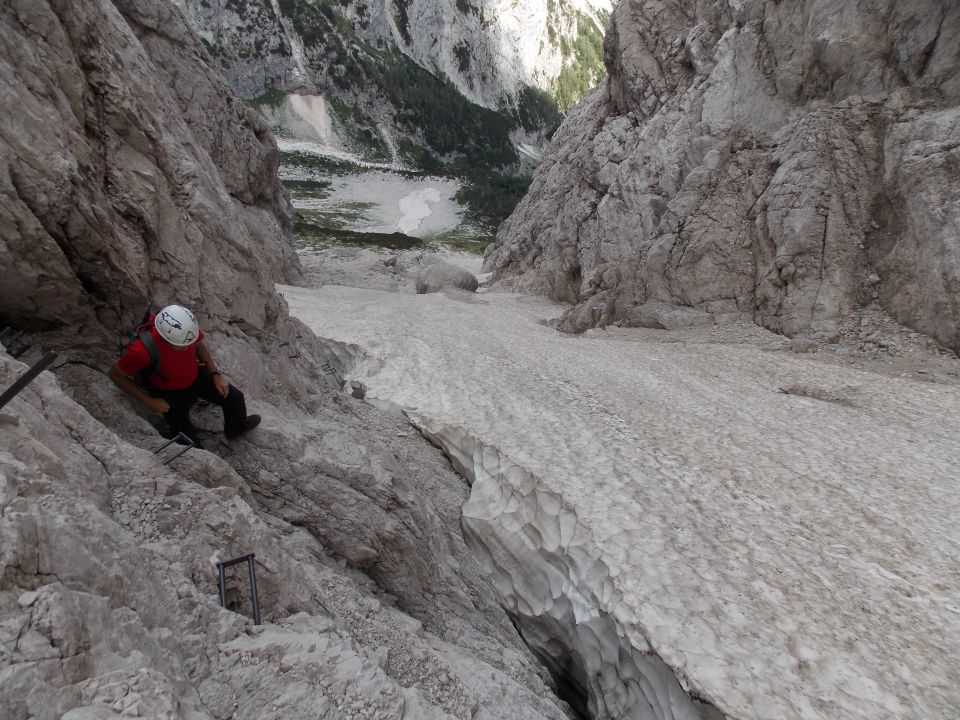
(803, 345)
(27, 599)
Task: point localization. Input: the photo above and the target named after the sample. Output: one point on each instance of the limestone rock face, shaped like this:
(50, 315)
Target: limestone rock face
(108, 597)
(756, 157)
(131, 177)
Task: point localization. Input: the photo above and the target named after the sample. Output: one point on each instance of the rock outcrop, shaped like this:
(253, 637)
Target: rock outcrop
(792, 161)
(132, 177)
(108, 596)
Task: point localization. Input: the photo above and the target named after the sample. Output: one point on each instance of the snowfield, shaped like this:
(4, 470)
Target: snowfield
(782, 532)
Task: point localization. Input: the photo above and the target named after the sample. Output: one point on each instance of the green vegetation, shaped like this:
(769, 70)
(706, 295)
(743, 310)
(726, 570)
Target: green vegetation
(583, 63)
(312, 189)
(537, 110)
(318, 164)
(466, 238)
(313, 236)
(449, 124)
(360, 129)
(319, 229)
(417, 156)
(272, 99)
(403, 22)
(553, 20)
(451, 128)
(491, 197)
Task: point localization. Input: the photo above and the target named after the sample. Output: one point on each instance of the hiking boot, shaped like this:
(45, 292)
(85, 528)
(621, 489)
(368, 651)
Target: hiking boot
(249, 423)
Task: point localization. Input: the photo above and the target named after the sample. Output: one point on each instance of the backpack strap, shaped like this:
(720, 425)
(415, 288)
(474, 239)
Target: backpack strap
(154, 367)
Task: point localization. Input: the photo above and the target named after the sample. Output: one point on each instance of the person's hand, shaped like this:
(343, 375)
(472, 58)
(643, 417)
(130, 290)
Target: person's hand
(158, 405)
(221, 384)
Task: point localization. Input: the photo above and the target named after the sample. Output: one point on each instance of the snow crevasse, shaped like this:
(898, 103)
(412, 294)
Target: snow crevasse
(549, 574)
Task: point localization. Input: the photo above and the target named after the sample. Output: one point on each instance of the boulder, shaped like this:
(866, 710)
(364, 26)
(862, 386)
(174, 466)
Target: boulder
(442, 275)
(667, 317)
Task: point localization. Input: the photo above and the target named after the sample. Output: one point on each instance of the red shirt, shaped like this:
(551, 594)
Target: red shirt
(178, 366)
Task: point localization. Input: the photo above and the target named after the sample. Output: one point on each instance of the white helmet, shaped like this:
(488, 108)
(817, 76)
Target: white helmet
(177, 325)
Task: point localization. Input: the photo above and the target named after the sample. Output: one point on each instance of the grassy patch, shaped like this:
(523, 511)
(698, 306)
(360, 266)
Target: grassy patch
(317, 165)
(319, 229)
(467, 238)
(332, 220)
(308, 188)
(309, 236)
(272, 99)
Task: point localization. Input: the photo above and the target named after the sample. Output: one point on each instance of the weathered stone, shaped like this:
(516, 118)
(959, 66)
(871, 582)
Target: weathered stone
(771, 154)
(667, 317)
(440, 275)
(130, 177)
(490, 51)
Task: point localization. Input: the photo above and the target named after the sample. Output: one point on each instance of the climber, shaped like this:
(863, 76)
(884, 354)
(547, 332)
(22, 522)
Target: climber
(175, 369)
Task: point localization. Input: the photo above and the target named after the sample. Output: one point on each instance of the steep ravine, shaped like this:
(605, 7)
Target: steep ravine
(551, 580)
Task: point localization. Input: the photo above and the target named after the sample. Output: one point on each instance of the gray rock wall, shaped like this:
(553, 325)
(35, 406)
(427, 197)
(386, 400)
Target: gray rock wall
(792, 161)
(131, 176)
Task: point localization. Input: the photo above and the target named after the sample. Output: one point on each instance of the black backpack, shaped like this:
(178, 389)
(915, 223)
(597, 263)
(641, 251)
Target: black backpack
(142, 333)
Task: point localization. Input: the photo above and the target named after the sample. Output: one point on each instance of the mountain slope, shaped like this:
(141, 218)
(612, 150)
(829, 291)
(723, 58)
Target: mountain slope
(457, 77)
(793, 161)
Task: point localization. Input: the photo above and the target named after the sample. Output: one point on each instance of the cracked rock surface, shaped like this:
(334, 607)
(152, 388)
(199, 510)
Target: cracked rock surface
(131, 177)
(108, 601)
(788, 161)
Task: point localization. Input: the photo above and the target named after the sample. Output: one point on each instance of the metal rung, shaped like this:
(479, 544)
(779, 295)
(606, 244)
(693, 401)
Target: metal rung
(222, 583)
(329, 369)
(38, 367)
(186, 442)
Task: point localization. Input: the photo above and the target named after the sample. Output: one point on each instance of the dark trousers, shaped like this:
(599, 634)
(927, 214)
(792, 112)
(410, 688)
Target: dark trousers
(180, 401)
